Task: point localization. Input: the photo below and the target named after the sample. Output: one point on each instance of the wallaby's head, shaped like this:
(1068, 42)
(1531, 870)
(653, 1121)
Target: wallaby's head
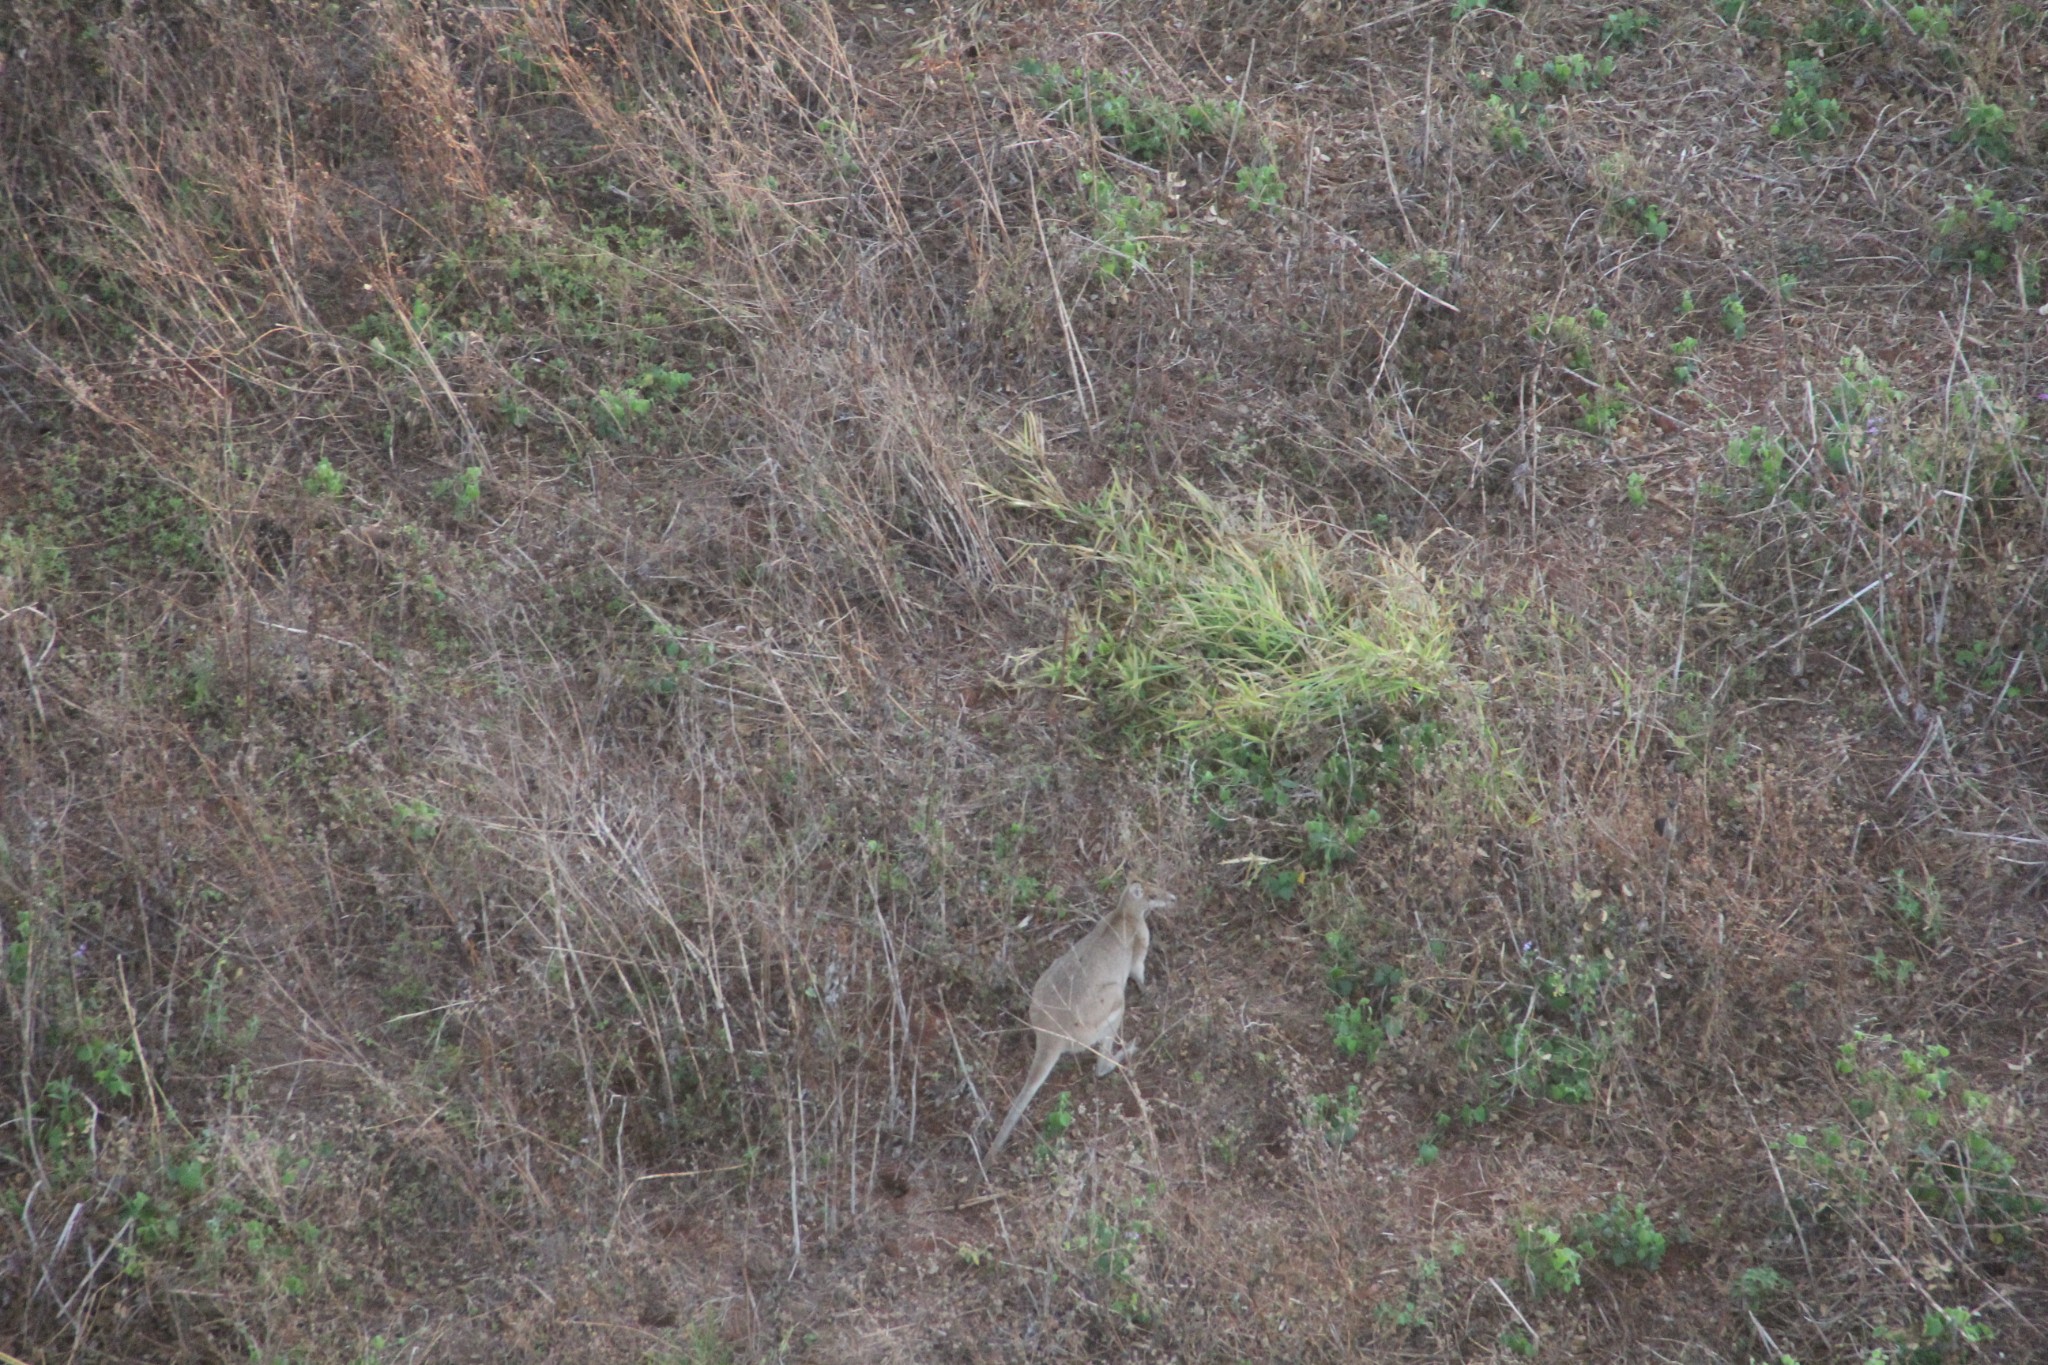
(1142, 898)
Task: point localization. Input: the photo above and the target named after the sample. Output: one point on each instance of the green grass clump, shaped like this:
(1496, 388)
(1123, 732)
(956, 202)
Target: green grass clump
(1918, 1125)
(1141, 125)
(1236, 637)
(1625, 28)
(1987, 129)
(1976, 234)
(1845, 26)
(1551, 1264)
(1127, 224)
(1623, 1234)
(1806, 115)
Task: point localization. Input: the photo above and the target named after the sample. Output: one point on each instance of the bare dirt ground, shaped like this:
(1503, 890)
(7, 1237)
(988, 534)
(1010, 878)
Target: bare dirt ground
(588, 592)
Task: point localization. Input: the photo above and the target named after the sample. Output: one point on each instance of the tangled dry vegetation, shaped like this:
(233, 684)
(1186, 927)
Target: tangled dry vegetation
(589, 590)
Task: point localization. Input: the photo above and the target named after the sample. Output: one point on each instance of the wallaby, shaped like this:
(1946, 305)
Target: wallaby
(1078, 1004)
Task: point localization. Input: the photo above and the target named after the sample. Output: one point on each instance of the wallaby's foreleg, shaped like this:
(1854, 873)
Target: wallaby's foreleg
(1108, 1046)
(1049, 1051)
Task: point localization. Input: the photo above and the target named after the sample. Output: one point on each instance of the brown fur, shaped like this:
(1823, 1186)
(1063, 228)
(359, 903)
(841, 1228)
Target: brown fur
(1078, 1003)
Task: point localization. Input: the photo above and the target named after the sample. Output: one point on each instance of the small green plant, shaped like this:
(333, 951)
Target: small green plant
(1976, 234)
(1514, 103)
(1577, 71)
(1337, 1120)
(152, 1224)
(1126, 224)
(1555, 1046)
(1567, 332)
(1504, 126)
(1141, 125)
(1757, 449)
(1623, 1235)
(1943, 1335)
(464, 492)
(1686, 306)
(108, 1062)
(1917, 904)
(1334, 842)
(1556, 1050)
(617, 410)
(1601, 413)
(1343, 972)
(403, 342)
(28, 559)
(1625, 28)
(1425, 1293)
(1642, 217)
(1059, 1118)
(419, 821)
(1758, 1285)
(1987, 129)
(325, 481)
(516, 411)
(1261, 185)
(1545, 1062)
(1890, 971)
(1685, 364)
(1433, 266)
(1916, 1126)
(1520, 84)
(1735, 316)
(1115, 1245)
(1843, 26)
(66, 1112)
(1931, 22)
(1281, 882)
(1751, 17)
(1550, 1263)
(1358, 1024)
(1110, 1247)
(1805, 114)
(1461, 8)
(1355, 1031)
(1785, 284)
(1858, 412)
(1638, 490)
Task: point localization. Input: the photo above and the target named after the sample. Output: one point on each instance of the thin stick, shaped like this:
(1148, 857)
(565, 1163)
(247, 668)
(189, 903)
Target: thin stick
(1393, 189)
(1084, 385)
(1244, 93)
(1842, 605)
(1345, 239)
(1776, 1174)
(1528, 1326)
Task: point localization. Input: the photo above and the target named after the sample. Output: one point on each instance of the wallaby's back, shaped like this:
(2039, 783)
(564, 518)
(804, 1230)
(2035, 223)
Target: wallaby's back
(1085, 984)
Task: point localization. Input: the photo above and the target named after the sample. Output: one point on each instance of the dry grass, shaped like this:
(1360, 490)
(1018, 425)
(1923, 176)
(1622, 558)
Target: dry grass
(531, 803)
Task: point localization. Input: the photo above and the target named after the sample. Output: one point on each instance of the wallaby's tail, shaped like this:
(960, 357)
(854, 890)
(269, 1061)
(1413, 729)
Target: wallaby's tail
(1041, 1067)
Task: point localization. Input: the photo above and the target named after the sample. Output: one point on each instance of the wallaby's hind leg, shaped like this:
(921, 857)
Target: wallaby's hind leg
(1049, 1051)
(1108, 1044)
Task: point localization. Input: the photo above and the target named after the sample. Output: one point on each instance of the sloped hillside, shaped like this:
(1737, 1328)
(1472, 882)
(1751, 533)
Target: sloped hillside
(590, 590)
